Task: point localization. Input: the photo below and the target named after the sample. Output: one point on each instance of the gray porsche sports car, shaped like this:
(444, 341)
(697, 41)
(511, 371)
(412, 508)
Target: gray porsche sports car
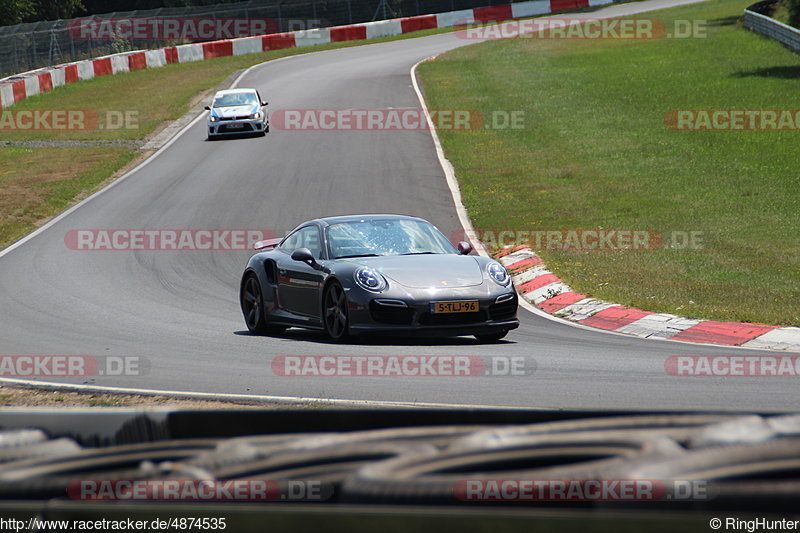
(358, 274)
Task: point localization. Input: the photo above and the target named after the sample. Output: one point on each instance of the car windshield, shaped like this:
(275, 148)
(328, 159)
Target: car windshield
(235, 99)
(385, 237)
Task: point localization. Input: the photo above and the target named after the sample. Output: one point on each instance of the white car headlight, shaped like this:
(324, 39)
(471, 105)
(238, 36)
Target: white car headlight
(369, 279)
(212, 118)
(257, 114)
(498, 273)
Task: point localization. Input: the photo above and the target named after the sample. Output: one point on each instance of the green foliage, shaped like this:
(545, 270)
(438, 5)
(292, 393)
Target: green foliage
(15, 11)
(57, 9)
(793, 7)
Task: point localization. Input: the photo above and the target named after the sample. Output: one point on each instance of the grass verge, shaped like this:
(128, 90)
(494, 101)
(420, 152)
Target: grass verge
(595, 153)
(36, 183)
(13, 395)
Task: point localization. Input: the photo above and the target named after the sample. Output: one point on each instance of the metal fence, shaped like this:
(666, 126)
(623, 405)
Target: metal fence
(756, 21)
(26, 47)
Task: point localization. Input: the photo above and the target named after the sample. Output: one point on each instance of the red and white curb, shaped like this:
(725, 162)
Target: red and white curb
(14, 89)
(540, 287)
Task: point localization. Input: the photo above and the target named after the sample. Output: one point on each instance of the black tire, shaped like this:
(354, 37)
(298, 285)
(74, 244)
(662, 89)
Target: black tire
(334, 312)
(491, 337)
(252, 302)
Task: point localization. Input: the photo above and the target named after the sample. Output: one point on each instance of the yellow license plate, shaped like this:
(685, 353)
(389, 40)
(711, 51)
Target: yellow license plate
(468, 306)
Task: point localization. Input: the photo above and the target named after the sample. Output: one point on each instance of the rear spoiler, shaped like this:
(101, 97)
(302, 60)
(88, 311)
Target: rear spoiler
(266, 244)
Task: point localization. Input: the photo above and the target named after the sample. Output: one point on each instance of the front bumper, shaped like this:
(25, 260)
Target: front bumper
(237, 126)
(386, 315)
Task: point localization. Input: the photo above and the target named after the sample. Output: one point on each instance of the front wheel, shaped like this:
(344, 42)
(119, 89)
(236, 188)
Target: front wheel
(491, 337)
(334, 312)
(252, 302)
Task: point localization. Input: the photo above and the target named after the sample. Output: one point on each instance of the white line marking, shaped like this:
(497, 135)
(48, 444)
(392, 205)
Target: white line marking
(257, 397)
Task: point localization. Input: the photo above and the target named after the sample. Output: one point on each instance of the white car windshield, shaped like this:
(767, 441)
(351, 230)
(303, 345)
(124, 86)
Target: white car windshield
(386, 237)
(235, 99)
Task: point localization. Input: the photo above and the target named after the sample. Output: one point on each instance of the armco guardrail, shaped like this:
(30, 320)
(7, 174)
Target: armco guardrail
(16, 88)
(756, 21)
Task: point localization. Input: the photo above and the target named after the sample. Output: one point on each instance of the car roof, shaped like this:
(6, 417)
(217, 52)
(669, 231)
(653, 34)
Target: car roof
(327, 221)
(234, 91)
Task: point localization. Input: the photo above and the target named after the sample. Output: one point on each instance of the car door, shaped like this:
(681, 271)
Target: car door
(299, 284)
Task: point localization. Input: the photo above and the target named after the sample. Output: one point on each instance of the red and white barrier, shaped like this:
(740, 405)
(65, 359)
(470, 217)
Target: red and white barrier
(6, 95)
(248, 45)
(312, 37)
(85, 69)
(383, 28)
(57, 77)
(31, 86)
(155, 58)
(455, 18)
(17, 88)
(188, 53)
(530, 9)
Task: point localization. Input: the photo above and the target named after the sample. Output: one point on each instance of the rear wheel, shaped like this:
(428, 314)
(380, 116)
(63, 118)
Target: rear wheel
(491, 337)
(255, 315)
(334, 311)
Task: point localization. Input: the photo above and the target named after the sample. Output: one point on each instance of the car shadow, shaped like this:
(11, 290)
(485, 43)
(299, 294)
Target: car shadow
(302, 335)
(789, 72)
(234, 136)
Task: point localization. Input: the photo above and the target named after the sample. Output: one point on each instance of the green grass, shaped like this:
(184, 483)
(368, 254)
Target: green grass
(595, 153)
(36, 183)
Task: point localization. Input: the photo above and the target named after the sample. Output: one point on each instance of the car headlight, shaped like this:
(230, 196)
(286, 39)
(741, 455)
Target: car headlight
(498, 273)
(370, 279)
(257, 114)
(212, 118)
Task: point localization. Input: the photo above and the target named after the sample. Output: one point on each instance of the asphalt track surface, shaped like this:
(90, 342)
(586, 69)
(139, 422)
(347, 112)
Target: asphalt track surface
(179, 311)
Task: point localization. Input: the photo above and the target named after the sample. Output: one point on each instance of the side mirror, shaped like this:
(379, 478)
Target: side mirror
(305, 255)
(464, 248)
(264, 103)
(207, 108)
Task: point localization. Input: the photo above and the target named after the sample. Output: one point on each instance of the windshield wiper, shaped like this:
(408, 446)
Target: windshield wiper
(355, 255)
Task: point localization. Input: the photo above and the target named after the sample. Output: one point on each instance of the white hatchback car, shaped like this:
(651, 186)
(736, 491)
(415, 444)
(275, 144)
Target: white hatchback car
(237, 111)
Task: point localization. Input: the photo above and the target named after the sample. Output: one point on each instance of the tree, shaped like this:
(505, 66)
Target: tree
(794, 12)
(15, 11)
(57, 9)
